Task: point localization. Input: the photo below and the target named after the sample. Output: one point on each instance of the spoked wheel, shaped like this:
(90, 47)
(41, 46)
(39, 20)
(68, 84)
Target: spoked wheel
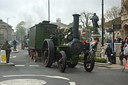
(48, 52)
(31, 54)
(35, 55)
(88, 62)
(62, 61)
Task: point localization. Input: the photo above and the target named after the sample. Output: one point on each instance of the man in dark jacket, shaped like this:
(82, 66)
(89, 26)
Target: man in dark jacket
(14, 44)
(108, 52)
(7, 48)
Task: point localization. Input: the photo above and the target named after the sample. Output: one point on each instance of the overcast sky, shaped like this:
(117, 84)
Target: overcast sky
(35, 11)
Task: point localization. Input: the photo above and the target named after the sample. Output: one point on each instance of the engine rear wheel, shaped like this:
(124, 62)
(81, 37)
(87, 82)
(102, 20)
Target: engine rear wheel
(48, 52)
(62, 61)
(88, 62)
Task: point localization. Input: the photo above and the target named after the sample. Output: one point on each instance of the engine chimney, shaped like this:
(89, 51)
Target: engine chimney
(76, 26)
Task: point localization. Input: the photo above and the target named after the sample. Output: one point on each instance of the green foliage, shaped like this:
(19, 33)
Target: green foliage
(101, 60)
(81, 57)
(97, 59)
(20, 31)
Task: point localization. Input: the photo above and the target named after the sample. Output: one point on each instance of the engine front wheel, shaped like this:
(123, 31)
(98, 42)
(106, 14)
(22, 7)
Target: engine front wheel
(62, 61)
(88, 62)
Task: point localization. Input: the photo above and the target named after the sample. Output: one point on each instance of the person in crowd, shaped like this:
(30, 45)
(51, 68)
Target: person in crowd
(7, 47)
(126, 41)
(122, 52)
(65, 31)
(119, 39)
(22, 45)
(109, 41)
(126, 51)
(14, 44)
(94, 46)
(58, 31)
(108, 52)
(86, 48)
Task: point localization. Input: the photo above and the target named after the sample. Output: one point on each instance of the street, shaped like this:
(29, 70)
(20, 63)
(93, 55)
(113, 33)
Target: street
(27, 72)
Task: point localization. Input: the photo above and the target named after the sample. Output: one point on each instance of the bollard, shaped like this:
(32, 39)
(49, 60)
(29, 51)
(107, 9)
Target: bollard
(3, 56)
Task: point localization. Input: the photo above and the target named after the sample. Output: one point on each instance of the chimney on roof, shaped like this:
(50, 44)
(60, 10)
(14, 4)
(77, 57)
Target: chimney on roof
(58, 20)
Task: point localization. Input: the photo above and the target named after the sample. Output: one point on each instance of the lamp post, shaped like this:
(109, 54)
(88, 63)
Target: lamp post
(7, 23)
(102, 22)
(48, 10)
(9, 18)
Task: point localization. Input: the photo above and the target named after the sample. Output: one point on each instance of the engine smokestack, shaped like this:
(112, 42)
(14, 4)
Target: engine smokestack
(76, 26)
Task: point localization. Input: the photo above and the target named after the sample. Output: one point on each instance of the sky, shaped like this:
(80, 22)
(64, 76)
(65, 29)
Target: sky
(35, 11)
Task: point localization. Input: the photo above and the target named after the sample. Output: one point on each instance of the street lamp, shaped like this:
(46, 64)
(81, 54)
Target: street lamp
(9, 18)
(102, 22)
(48, 10)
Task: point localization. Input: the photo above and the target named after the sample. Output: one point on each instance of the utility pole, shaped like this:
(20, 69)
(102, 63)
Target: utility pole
(102, 22)
(48, 10)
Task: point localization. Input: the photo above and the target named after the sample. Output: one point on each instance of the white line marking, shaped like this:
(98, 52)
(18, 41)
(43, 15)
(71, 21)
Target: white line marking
(23, 82)
(101, 68)
(72, 83)
(57, 77)
(20, 65)
(115, 68)
(13, 57)
(34, 65)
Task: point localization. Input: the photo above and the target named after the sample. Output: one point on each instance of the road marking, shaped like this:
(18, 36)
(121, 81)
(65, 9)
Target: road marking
(20, 65)
(72, 83)
(57, 77)
(101, 67)
(115, 68)
(33, 65)
(27, 75)
(13, 57)
(23, 82)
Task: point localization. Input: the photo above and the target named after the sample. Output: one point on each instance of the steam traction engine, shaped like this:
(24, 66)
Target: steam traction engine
(65, 50)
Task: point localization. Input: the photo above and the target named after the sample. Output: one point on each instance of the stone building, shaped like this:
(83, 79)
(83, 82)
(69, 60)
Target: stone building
(6, 32)
(124, 18)
(116, 24)
(59, 23)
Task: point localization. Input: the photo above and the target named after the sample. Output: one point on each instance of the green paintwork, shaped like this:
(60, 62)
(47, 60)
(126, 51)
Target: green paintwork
(40, 32)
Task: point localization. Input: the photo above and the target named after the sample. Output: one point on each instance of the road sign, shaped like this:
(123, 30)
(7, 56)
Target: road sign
(83, 32)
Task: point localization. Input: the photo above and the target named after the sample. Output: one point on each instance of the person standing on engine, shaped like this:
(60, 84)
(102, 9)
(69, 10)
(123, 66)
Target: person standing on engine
(94, 47)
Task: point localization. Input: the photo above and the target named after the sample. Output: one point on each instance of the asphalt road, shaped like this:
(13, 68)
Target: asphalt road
(27, 72)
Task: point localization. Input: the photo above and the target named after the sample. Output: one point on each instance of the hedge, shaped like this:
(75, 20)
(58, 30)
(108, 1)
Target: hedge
(97, 59)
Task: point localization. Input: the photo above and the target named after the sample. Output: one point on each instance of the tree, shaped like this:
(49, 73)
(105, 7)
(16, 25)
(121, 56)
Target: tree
(84, 19)
(20, 31)
(112, 13)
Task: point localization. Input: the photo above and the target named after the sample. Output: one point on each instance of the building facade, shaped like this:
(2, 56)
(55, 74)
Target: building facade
(6, 32)
(124, 18)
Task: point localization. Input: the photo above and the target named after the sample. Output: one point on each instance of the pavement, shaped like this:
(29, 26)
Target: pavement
(10, 63)
(110, 65)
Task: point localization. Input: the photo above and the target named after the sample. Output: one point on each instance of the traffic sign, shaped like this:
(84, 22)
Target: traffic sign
(83, 32)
